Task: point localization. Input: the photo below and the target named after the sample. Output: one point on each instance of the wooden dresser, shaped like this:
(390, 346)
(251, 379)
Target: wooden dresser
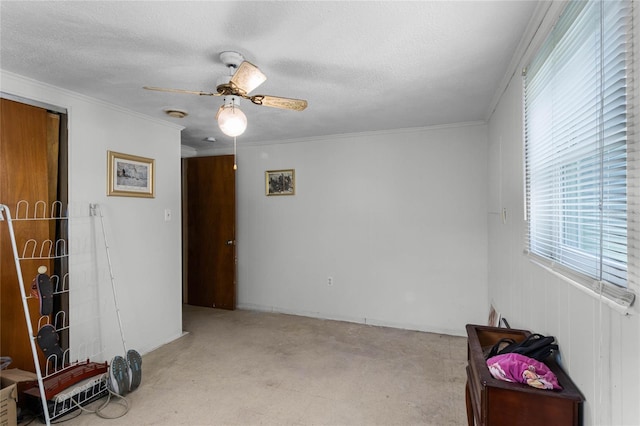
(495, 402)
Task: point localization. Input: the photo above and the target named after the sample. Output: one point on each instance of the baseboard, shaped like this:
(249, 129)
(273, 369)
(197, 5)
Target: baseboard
(358, 320)
(172, 339)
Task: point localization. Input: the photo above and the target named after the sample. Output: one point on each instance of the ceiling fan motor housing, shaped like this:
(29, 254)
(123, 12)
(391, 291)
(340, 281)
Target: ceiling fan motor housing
(231, 100)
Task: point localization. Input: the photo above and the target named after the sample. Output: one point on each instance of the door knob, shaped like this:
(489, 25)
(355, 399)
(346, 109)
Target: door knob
(230, 242)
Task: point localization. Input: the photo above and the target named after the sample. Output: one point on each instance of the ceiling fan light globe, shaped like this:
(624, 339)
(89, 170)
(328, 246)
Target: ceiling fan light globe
(232, 121)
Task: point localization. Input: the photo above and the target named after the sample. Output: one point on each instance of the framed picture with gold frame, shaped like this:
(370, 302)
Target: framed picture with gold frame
(280, 182)
(130, 175)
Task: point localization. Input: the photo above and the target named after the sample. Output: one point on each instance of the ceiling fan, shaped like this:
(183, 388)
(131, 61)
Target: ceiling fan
(246, 77)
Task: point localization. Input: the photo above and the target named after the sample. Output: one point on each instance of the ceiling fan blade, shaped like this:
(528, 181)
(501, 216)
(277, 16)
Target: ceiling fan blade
(189, 92)
(278, 102)
(247, 77)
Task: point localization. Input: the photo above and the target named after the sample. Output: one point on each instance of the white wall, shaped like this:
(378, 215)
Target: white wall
(600, 347)
(398, 219)
(145, 250)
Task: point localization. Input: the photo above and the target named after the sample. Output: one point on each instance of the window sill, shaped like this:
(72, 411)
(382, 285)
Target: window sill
(623, 305)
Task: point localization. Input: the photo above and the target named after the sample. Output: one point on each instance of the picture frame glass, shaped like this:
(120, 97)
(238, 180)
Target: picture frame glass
(130, 175)
(280, 182)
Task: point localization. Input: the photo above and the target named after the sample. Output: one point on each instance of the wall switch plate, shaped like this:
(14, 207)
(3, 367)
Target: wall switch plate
(167, 215)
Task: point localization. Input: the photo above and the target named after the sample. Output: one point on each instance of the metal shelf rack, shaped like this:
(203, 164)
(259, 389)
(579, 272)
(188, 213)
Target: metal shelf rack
(58, 375)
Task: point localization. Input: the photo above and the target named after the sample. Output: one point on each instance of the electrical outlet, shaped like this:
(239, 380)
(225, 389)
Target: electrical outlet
(330, 281)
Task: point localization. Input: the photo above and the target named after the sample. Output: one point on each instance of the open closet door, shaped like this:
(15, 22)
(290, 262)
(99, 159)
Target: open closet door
(29, 170)
(210, 225)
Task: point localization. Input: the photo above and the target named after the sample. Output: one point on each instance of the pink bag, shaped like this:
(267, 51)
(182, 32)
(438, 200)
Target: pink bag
(512, 367)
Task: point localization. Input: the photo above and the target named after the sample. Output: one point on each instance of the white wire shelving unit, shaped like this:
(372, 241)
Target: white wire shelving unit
(63, 384)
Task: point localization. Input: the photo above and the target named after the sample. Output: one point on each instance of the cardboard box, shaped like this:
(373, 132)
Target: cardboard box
(22, 379)
(8, 400)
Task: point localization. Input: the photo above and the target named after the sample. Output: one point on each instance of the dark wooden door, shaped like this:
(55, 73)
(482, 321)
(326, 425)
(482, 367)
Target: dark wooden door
(210, 218)
(25, 174)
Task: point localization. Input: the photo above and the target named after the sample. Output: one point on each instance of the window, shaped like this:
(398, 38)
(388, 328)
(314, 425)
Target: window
(578, 147)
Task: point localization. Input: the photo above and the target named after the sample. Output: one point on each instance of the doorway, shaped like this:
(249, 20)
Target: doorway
(209, 227)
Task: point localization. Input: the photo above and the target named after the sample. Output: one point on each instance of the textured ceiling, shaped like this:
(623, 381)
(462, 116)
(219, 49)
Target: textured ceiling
(361, 65)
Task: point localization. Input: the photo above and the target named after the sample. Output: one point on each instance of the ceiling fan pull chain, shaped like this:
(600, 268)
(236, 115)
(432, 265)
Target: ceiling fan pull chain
(235, 166)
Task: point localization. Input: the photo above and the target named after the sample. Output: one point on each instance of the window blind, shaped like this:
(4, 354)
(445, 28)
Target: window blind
(579, 160)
